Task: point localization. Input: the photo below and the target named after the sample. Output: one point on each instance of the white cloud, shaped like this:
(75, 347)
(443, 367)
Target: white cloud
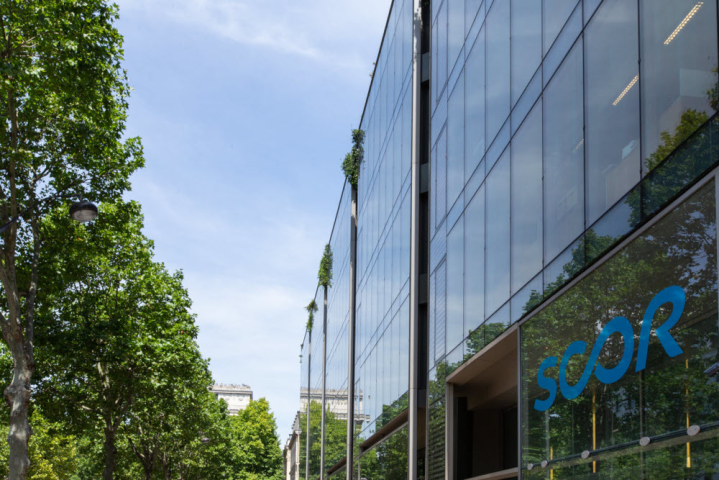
(328, 31)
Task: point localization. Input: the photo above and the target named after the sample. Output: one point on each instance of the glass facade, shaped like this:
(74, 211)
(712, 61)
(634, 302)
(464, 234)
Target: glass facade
(623, 353)
(560, 126)
(382, 328)
(554, 129)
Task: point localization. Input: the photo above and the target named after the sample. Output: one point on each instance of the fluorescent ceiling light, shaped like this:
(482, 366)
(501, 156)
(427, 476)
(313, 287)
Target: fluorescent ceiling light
(626, 90)
(683, 23)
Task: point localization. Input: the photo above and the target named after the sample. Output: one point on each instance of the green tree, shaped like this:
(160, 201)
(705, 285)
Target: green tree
(53, 455)
(63, 106)
(259, 446)
(335, 441)
(190, 437)
(116, 329)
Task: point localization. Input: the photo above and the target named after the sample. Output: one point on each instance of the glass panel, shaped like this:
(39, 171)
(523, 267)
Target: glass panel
(441, 53)
(679, 62)
(556, 13)
(455, 285)
(527, 100)
(496, 324)
(456, 31)
(604, 366)
(455, 142)
(526, 43)
(497, 67)
(474, 112)
(497, 217)
(562, 44)
(474, 261)
(564, 156)
(527, 298)
(471, 7)
(612, 105)
(589, 7)
(526, 195)
(388, 460)
(497, 147)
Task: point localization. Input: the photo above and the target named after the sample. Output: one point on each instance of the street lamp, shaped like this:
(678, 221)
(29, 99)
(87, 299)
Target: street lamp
(83, 211)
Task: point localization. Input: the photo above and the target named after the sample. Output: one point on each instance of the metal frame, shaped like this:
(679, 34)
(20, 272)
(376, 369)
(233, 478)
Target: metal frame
(414, 285)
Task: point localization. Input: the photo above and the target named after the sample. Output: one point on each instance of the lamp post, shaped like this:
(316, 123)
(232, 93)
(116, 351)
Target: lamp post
(82, 211)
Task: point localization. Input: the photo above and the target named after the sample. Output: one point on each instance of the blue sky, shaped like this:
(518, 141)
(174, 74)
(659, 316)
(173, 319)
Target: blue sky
(245, 109)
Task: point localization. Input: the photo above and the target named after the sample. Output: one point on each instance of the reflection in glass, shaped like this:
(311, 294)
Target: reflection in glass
(612, 105)
(388, 460)
(455, 285)
(671, 392)
(564, 156)
(440, 29)
(678, 69)
(474, 105)
(474, 262)
(456, 31)
(471, 7)
(526, 193)
(556, 13)
(455, 142)
(527, 298)
(526, 43)
(497, 67)
(497, 253)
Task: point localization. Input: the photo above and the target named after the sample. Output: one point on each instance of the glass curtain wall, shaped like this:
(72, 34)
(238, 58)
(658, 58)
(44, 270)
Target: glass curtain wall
(336, 393)
(603, 367)
(314, 435)
(304, 405)
(382, 330)
(548, 145)
(388, 460)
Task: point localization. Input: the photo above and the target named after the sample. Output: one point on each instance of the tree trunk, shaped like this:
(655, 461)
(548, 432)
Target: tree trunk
(166, 467)
(18, 396)
(110, 451)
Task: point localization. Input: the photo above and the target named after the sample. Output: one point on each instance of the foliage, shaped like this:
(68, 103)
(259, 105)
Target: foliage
(255, 433)
(325, 273)
(115, 330)
(353, 160)
(689, 122)
(53, 455)
(335, 434)
(713, 94)
(388, 460)
(63, 103)
(679, 250)
(311, 309)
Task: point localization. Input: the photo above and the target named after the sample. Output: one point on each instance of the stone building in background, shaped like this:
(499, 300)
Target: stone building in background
(237, 396)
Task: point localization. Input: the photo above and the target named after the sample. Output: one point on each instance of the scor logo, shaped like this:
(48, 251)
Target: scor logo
(674, 295)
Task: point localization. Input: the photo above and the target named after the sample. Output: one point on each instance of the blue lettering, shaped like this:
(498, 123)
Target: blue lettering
(547, 384)
(674, 295)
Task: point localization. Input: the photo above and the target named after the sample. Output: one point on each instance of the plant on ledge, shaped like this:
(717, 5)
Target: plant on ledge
(311, 308)
(325, 274)
(353, 160)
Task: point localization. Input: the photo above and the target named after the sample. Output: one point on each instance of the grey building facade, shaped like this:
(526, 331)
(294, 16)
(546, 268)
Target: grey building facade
(525, 277)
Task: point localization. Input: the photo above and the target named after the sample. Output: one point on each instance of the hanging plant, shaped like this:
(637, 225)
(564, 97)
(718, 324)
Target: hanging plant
(311, 308)
(325, 274)
(353, 160)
